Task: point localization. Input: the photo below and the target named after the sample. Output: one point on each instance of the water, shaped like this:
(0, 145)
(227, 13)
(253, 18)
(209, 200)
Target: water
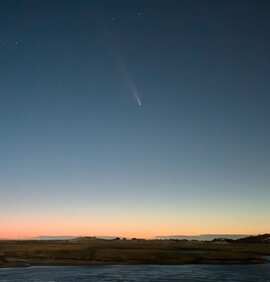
(186, 273)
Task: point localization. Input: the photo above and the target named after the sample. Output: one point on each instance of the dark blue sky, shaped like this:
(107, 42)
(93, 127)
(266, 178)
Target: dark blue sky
(114, 111)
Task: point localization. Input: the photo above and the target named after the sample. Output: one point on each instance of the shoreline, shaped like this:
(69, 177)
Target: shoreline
(90, 264)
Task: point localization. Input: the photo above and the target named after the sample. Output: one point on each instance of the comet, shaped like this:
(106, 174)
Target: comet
(121, 63)
(139, 102)
(133, 89)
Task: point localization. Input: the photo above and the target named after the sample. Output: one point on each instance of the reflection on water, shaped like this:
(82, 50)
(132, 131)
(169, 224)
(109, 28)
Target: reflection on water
(186, 273)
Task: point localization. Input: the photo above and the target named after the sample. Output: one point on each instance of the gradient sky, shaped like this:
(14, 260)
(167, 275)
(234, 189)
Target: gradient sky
(134, 118)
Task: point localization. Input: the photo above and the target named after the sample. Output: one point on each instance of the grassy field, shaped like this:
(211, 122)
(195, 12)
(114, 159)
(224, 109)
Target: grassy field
(97, 251)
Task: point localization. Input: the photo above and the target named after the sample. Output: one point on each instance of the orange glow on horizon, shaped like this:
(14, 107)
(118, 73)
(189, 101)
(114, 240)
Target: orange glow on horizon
(34, 230)
(26, 226)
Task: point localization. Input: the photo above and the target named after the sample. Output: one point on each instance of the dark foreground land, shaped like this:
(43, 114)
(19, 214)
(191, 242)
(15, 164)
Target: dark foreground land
(88, 251)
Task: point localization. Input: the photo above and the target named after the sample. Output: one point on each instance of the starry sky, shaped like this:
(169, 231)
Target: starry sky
(134, 118)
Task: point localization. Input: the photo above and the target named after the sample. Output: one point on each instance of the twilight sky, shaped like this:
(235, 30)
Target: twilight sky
(134, 118)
